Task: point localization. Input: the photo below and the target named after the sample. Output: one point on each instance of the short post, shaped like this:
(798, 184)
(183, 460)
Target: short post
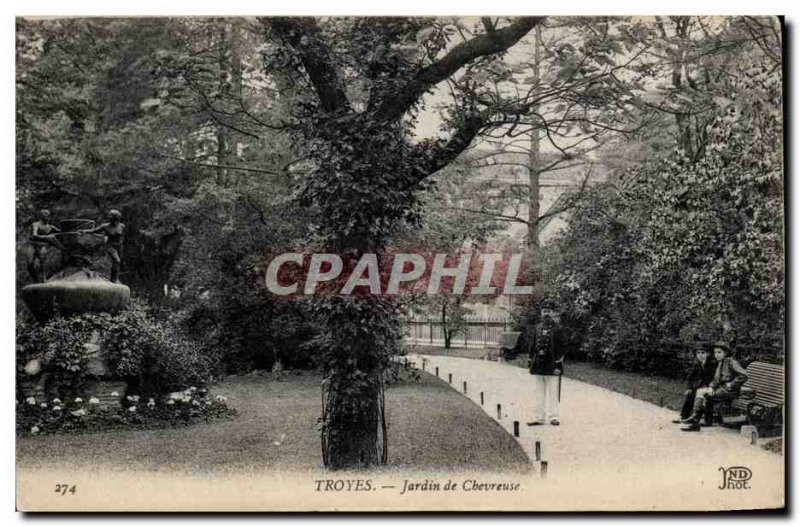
(499, 411)
(423, 364)
(537, 451)
(465, 386)
(516, 428)
(449, 378)
(543, 469)
(481, 398)
(437, 371)
(752, 432)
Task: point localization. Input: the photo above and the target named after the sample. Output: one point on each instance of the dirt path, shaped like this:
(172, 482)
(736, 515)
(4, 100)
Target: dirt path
(612, 438)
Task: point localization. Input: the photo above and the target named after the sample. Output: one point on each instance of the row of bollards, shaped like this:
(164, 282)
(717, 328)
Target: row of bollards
(537, 453)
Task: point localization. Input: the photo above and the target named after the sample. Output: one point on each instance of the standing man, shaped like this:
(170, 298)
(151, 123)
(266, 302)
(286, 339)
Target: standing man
(113, 230)
(42, 237)
(546, 365)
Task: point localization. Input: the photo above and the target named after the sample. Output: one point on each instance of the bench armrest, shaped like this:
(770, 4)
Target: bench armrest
(747, 393)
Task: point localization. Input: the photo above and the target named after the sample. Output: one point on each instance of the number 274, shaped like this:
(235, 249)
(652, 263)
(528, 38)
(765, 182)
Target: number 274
(63, 488)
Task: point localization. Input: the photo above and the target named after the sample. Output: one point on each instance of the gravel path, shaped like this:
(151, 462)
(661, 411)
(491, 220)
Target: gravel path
(611, 438)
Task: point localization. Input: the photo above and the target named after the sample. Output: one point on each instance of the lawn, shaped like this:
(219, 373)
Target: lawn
(431, 427)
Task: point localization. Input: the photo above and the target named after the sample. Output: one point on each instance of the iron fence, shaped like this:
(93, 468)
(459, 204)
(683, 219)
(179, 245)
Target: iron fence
(478, 332)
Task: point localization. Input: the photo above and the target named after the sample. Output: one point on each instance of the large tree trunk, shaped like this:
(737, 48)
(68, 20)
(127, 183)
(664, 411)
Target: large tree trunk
(364, 192)
(360, 334)
(355, 429)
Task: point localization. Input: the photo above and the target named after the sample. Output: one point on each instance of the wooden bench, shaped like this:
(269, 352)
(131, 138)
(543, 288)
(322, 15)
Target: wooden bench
(507, 346)
(761, 398)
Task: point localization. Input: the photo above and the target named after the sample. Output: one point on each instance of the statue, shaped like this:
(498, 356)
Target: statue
(79, 286)
(114, 231)
(42, 237)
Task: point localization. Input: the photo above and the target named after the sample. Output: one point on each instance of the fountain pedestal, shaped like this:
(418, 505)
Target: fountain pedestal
(77, 288)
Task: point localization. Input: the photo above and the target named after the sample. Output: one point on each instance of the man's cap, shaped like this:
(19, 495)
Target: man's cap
(722, 345)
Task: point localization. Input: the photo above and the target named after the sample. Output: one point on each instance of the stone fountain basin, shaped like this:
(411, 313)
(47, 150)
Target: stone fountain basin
(75, 294)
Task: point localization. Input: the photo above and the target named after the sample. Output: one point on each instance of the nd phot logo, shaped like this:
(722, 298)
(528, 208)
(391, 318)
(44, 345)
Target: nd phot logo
(735, 478)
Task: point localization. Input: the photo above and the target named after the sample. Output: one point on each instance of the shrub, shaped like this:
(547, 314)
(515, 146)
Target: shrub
(153, 353)
(150, 353)
(60, 344)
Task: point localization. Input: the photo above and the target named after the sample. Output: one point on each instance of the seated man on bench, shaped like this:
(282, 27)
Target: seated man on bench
(700, 376)
(727, 383)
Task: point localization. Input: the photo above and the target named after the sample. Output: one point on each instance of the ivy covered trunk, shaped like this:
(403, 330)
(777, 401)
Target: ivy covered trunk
(358, 214)
(360, 334)
(357, 129)
(354, 433)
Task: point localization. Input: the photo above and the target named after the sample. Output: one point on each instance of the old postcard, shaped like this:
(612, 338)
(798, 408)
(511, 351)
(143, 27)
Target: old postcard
(498, 263)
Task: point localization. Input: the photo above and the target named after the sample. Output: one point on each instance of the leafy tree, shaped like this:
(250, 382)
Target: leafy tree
(689, 247)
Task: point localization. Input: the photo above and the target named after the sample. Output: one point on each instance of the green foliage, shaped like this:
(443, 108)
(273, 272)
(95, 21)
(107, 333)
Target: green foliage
(153, 354)
(60, 345)
(679, 251)
(684, 242)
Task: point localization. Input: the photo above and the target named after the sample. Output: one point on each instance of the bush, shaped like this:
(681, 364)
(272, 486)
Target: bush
(154, 354)
(60, 345)
(151, 354)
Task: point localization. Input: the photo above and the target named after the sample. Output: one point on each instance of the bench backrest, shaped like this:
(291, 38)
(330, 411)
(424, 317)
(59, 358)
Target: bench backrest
(767, 380)
(508, 339)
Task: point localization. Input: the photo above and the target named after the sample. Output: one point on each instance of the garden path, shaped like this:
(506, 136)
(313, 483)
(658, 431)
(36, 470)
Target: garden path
(611, 438)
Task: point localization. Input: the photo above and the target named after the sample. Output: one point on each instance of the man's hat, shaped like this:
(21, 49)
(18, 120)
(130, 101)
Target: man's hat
(722, 345)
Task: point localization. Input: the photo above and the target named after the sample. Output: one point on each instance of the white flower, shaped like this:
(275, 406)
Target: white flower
(78, 400)
(94, 400)
(114, 394)
(192, 389)
(133, 398)
(56, 401)
(43, 405)
(221, 399)
(35, 430)
(79, 413)
(33, 367)
(171, 401)
(30, 400)
(56, 408)
(151, 402)
(195, 403)
(132, 409)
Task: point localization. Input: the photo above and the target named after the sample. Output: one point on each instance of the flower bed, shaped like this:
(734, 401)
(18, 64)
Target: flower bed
(36, 416)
